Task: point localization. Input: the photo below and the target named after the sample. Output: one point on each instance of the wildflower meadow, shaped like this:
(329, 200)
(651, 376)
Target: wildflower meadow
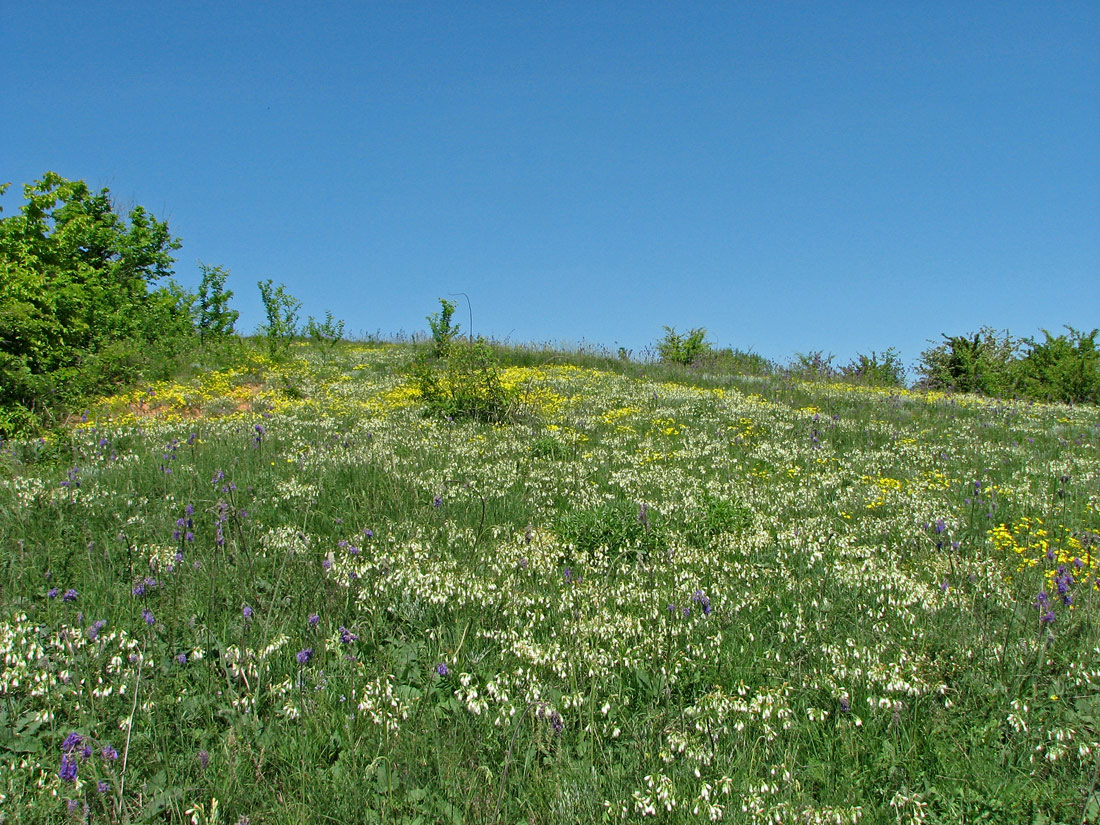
(293, 588)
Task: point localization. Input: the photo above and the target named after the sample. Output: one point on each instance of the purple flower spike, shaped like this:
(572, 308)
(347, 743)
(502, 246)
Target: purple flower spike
(441, 669)
(304, 656)
(67, 772)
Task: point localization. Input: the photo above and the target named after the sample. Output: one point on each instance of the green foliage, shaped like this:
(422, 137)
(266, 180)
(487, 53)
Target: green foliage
(77, 303)
(465, 384)
(675, 348)
(326, 334)
(719, 516)
(876, 370)
(738, 362)
(443, 331)
(611, 528)
(982, 362)
(213, 318)
(281, 310)
(1062, 368)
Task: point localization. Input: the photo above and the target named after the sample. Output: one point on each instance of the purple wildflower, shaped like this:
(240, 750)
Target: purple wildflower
(108, 753)
(103, 786)
(314, 620)
(845, 704)
(556, 722)
(437, 502)
(304, 656)
(346, 636)
(703, 600)
(53, 593)
(147, 615)
(181, 659)
(246, 611)
(70, 595)
(67, 772)
(441, 669)
(93, 631)
(72, 742)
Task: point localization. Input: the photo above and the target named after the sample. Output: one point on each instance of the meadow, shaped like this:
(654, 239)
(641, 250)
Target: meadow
(279, 591)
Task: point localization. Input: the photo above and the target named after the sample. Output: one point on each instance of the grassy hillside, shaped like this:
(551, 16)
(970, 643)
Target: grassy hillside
(280, 592)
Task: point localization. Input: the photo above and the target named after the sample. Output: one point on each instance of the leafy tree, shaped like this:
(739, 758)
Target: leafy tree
(214, 319)
(76, 284)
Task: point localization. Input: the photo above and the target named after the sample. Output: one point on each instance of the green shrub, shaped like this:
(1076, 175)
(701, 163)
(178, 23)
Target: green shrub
(812, 366)
(1062, 368)
(547, 447)
(444, 332)
(281, 309)
(675, 348)
(876, 370)
(465, 384)
(983, 362)
(326, 335)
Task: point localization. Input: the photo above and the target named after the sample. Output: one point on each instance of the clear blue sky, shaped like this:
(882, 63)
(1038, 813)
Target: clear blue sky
(792, 176)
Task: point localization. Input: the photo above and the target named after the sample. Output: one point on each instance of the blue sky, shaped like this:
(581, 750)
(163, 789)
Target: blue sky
(792, 176)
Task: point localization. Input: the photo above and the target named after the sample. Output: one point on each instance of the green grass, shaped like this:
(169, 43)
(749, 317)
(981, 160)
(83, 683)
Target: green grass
(657, 591)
